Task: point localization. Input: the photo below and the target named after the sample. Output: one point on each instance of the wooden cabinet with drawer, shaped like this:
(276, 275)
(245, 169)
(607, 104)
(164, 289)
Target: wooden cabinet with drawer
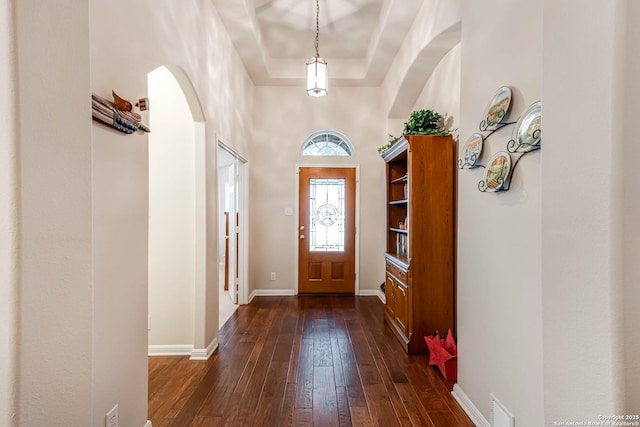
(419, 257)
(396, 294)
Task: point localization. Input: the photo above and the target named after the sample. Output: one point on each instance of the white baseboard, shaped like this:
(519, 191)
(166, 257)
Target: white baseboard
(467, 405)
(271, 293)
(204, 353)
(148, 424)
(170, 350)
(373, 293)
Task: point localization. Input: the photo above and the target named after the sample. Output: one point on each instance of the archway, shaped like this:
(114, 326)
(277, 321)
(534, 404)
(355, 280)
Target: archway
(178, 297)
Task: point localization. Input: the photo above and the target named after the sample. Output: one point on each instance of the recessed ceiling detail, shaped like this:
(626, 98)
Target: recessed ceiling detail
(359, 38)
(288, 27)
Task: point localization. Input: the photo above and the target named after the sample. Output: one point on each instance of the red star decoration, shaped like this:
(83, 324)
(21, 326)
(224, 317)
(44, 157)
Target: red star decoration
(443, 352)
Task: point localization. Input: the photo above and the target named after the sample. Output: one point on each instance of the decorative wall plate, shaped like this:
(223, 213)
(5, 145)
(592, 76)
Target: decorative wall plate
(497, 108)
(472, 150)
(497, 170)
(527, 134)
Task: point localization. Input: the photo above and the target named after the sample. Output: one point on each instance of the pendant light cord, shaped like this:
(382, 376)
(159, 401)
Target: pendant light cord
(317, 42)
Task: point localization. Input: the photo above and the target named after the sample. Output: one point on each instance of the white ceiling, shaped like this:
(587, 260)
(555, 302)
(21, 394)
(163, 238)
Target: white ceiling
(358, 38)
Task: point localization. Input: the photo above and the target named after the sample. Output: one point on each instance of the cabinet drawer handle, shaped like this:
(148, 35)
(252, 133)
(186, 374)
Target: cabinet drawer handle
(393, 297)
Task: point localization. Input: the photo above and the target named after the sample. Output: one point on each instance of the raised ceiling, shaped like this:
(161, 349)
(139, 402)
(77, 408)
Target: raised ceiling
(358, 38)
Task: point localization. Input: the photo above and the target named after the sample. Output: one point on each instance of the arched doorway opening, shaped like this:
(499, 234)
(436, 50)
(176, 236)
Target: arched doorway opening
(182, 310)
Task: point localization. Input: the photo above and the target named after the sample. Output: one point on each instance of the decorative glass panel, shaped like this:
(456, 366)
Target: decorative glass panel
(326, 214)
(327, 142)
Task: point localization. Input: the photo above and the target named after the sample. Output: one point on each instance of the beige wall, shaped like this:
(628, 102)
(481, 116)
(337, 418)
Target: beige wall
(56, 300)
(84, 192)
(582, 209)
(283, 118)
(190, 36)
(8, 218)
(631, 204)
(442, 91)
(120, 202)
(172, 213)
(434, 32)
(499, 235)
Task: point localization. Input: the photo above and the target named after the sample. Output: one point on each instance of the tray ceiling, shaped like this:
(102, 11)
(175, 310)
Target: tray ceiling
(358, 38)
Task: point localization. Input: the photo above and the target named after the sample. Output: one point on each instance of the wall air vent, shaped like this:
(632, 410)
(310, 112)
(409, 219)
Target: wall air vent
(500, 416)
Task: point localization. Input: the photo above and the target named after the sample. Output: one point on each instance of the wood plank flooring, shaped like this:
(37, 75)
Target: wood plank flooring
(303, 361)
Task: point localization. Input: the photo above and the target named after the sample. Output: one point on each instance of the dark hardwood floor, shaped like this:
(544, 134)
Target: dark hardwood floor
(303, 361)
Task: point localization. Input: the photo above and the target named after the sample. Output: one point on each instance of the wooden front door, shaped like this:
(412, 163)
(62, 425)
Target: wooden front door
(327, 232)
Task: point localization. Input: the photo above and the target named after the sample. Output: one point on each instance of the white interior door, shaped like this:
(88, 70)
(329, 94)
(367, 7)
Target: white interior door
(232, 176)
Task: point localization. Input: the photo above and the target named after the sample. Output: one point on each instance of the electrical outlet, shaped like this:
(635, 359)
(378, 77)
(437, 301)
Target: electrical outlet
(273, 275)
(111, 419)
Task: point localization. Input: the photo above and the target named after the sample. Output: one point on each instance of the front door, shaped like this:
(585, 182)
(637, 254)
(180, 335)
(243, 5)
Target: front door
(327, 232)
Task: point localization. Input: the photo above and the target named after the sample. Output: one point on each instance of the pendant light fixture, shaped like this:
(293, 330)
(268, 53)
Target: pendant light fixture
(317, 77)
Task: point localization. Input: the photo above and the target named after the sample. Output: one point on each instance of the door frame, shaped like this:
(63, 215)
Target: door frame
(297, 218)
(243, 226)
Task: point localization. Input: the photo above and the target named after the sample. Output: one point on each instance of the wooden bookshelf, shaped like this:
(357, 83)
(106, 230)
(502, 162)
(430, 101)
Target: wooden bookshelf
(420, 239)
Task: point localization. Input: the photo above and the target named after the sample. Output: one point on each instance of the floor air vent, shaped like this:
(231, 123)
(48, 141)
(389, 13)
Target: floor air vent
(500, 417)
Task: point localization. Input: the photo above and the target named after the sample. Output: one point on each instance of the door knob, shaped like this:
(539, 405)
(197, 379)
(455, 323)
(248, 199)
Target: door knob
(302, 227)
(302, 237)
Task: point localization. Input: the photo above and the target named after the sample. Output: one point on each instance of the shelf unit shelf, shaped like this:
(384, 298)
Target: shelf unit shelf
(400, 180)
(398, 230)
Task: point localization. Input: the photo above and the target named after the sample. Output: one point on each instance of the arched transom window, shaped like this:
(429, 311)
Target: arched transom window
(327, 142)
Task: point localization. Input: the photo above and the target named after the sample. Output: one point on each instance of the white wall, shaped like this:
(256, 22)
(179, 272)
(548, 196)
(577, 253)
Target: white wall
(278, 135)
(8, 218)
(120, 201)
(442, 91)
(499, 235)
(435, 31)
(582, 209)
(631, 203)
(83, 197)
(190, 36)
(172, 213)
(56, 300)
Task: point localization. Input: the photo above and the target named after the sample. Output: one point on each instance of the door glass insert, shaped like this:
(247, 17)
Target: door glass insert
(326, 214)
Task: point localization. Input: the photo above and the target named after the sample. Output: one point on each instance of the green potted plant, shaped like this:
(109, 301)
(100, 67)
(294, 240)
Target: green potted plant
(425, 122)
(420, 122)
(392, 140)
